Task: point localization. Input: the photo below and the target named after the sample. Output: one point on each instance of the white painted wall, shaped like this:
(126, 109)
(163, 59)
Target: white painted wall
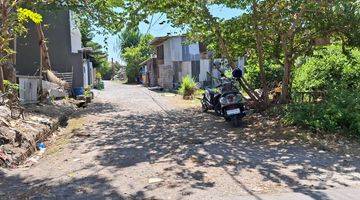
(75, 34)
(28, 89)
(86, 73)
(91, 73)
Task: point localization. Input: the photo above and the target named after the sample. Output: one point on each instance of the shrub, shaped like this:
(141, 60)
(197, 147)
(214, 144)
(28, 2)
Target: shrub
(273, 73)
(338, 75)
(340, 112)
(188, 87)
(98, 76)
(11, 87)
(328, 68)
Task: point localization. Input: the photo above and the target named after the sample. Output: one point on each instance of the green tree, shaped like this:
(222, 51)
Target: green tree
(282, 30)
(98, 57)
(128, 38)
(328, 69)
(133, 56)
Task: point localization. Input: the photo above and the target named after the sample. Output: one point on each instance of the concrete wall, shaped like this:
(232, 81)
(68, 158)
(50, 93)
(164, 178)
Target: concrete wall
(58, 36)
(75, 34)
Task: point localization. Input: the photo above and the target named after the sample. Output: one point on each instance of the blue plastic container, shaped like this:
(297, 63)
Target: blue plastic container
(41, 146)
(78, 91)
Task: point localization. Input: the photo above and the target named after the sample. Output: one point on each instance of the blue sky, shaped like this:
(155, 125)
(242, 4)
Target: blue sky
(157, 29)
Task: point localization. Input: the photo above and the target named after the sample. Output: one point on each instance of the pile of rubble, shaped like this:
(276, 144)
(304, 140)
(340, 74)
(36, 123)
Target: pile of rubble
(19, 138)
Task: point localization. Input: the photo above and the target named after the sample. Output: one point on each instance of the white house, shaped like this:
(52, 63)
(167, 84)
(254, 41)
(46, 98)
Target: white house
(176, 58)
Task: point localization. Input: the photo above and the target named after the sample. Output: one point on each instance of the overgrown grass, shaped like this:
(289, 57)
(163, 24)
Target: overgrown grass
(339, 113)
(188, 87)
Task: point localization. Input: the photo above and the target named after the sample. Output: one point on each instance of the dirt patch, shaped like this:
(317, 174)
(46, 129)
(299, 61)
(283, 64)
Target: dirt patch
(270, 130)
(59, 141)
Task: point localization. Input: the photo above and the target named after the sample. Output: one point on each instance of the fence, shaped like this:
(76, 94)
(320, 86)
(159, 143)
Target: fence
(308, 97)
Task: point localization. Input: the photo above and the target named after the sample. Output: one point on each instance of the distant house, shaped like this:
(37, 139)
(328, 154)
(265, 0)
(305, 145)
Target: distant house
(68, 59)
(174, 59)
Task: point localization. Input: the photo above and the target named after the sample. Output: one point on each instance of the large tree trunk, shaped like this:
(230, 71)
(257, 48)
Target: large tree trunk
(287, 42)
(260, 52)
(288, 62)
(9, 72)
(285, 95)
(44, 51)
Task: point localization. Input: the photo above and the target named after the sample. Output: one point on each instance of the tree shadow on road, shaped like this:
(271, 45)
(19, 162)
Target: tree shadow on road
(183, 137)
(200, 153)
(91, 187)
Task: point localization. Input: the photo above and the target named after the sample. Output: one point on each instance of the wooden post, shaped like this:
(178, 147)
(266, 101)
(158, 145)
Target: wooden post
(41, 74)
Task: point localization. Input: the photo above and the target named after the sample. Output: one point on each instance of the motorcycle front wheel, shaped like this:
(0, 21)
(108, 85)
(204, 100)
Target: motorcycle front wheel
(204, 107)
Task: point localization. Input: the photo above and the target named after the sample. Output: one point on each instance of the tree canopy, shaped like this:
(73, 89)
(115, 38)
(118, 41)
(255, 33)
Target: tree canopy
(277, 30)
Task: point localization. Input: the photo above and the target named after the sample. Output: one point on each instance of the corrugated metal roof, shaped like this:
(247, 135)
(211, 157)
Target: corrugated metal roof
(159, 40)
(145, 62)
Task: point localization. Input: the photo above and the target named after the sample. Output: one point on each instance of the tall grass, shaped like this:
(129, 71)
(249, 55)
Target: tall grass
(188, 87)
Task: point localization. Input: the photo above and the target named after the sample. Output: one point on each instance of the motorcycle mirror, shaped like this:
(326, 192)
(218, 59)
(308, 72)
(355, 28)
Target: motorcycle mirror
(237, 73)
(217, 63)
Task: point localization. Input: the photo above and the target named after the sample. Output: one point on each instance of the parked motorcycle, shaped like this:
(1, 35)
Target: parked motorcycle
(225, 99)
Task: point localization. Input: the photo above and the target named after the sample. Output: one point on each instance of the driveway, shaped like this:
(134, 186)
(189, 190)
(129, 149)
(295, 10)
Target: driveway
(132, 143)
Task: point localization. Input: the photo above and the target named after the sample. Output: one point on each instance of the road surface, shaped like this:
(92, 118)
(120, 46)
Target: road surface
(132, 143)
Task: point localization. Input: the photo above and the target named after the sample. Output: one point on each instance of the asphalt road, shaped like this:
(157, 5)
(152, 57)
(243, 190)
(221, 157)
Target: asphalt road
(132, 143)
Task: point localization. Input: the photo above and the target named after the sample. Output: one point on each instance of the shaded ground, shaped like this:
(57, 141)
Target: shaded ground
(137, 144)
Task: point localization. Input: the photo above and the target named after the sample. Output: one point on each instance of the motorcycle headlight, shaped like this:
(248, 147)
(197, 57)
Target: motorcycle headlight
(223, 100)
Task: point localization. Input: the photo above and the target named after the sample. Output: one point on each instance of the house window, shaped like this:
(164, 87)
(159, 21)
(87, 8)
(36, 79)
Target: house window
(160, 52)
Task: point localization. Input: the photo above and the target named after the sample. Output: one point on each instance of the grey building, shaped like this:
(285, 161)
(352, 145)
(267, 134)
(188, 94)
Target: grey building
(64, 44)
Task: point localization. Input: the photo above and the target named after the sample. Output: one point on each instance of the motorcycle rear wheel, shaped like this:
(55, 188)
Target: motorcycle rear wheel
(236, 121)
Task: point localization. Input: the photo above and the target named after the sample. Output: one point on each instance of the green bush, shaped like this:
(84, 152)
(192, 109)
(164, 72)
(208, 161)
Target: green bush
(11, 87)
(336, 74)
(273, 74)
(328, 68)
(340, 112)
(188, 87)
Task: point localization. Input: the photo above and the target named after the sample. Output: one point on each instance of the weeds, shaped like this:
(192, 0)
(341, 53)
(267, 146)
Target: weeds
(188, 87)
